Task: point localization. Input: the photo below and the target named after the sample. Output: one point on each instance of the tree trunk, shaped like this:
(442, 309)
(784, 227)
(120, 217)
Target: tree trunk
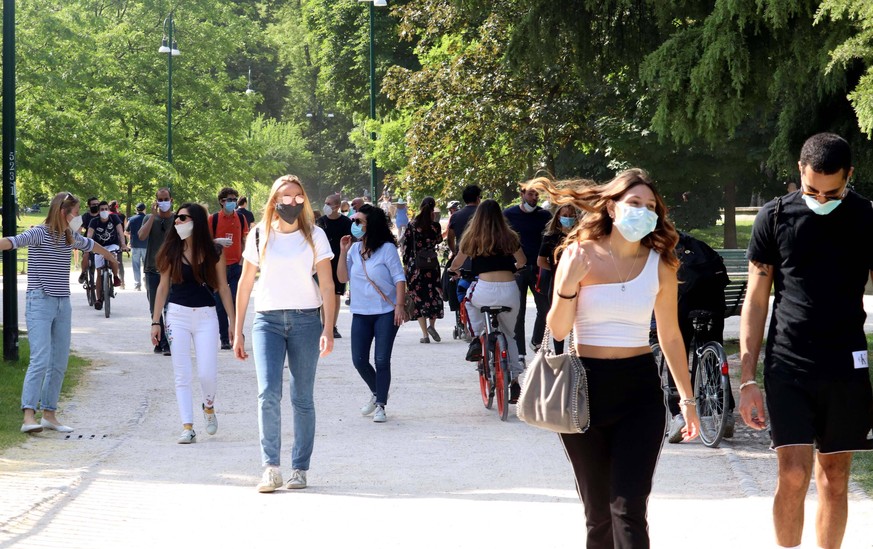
(129, 198)
(730, 215)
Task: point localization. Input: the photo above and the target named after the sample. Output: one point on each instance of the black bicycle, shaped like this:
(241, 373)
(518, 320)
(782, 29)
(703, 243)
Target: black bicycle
(493, 364)
(90, 284)
(106, 283)
(710, 378)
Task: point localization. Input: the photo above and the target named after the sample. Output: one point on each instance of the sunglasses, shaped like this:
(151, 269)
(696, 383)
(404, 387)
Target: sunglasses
(288, 200)
(182, 217)
(827, 197)
(69, 197)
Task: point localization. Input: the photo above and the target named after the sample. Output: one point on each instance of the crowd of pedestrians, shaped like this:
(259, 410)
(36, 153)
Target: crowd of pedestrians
(600, 262)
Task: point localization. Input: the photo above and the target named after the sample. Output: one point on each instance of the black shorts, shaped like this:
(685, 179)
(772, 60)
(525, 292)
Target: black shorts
(832, 415)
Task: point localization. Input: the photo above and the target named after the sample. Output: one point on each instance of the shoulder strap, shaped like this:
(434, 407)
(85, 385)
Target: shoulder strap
(258, 240)
(379, 291)
(776, 215)
(243, 222)
(214, 219)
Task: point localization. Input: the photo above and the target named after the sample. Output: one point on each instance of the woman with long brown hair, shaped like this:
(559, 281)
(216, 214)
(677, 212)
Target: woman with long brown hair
(617, 267)
(48, 313)
(420, 241)
(191, 268)
(288, 248)
(495, 253)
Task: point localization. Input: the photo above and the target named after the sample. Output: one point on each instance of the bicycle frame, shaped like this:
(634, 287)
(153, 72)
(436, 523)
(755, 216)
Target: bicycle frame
(494, 375)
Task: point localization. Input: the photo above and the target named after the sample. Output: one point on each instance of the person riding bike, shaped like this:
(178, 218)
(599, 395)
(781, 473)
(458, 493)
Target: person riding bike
(106, 229)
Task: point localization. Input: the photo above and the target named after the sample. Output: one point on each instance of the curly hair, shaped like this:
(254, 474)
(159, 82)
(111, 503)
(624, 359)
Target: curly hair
(594, 199)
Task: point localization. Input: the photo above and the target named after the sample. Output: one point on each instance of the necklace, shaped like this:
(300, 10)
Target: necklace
(614, 264)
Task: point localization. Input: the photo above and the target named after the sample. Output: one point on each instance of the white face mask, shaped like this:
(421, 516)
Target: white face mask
(164, 205)
(184, 229)
(327, 210)
(76, 223)
(104, 215)
(527, 208)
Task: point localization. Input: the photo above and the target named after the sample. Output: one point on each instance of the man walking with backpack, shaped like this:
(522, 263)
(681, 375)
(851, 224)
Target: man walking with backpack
(229, 228)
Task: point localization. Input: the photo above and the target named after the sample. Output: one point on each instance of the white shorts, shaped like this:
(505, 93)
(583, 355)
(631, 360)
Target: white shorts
(99, 260)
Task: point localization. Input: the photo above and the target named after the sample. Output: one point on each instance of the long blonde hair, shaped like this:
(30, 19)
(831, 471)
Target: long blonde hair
(305, 222)
(594, 199)
(56, 218)
(488, 233)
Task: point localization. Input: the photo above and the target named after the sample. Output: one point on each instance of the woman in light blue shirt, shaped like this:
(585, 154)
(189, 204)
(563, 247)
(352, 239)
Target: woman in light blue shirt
(378, 287)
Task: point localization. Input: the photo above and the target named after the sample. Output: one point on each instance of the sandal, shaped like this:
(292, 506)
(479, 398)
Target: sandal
(424, 340)
(433, 333)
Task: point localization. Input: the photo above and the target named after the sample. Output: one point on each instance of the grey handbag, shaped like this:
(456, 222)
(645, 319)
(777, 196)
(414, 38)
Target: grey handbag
(554, 392)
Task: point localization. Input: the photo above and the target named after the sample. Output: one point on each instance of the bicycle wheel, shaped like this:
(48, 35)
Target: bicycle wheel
(500, 363)
(485, 385)
(711, 386)
(107, 291)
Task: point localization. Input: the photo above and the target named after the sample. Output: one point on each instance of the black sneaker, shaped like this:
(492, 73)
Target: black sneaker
(225, 346)
(336, 334)
(158, 349)
(514, 391)
(474, 351)
(82, 278)
(98, 304)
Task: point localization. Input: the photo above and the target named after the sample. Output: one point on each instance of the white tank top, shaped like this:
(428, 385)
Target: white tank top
(607, 316)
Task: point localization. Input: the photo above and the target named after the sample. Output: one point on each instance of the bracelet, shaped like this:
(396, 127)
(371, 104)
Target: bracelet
(156, 323)
(687, 402)
(566, 296)
(747, 383)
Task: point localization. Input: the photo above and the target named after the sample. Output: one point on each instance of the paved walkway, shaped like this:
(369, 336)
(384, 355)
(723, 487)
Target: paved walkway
(443, 472)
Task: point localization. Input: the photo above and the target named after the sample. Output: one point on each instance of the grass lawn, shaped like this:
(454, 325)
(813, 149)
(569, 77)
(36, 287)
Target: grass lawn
(11, 379)
(714, 236)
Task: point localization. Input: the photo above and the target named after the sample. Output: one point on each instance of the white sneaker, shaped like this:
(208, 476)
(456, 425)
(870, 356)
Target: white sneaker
(674, 435)
(211, 421)
(369, 407)
(187, 437)
(379, 416)
(298, 480)
(270, 480)
(521, 363)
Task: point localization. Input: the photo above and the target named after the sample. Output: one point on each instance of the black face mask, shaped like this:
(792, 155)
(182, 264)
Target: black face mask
(289, 213)
(94, 209)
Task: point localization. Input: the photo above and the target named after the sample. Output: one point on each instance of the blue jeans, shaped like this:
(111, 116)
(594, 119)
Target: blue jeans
(49, 320)
(137, 257)
(365, 329)
(275, 335)
(233, 273)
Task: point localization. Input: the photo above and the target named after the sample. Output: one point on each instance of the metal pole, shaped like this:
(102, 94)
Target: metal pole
(170, 93)
(10, 225)
(372, 100)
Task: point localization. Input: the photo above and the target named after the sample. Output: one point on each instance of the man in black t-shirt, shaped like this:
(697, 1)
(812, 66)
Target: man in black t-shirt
(93, 207)
(106, 229)
(813, 247)
(336, 226)
(242, 207)
(472, 195)
(529, 221)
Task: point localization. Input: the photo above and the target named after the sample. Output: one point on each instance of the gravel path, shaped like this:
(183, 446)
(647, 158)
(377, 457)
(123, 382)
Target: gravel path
(443, 472)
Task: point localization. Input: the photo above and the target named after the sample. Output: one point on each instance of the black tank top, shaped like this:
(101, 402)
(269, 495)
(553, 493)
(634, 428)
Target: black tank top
(491, 263)
(189, 292)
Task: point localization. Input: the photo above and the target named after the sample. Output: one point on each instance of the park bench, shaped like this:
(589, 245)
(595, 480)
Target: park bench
(737, 267)
(22, 263)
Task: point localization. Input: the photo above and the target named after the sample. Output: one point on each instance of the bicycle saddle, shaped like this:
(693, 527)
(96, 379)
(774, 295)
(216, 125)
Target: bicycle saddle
(495, 310)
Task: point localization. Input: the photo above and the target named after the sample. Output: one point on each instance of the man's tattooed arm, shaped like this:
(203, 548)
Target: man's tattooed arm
(761, 269)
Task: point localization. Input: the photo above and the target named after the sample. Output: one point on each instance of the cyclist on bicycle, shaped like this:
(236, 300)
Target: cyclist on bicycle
(106, 229)
(495, 253)
(87, 217)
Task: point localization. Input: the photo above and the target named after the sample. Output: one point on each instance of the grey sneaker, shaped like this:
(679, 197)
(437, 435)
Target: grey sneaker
(674, 435)
(298, 480)
(369, 407)
(729, 427)
(379, 416)
(271, 480)
(187, 437)
(211, 421)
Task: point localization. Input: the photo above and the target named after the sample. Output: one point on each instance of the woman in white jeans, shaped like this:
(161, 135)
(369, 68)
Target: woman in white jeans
(495, 252)
(191, 267)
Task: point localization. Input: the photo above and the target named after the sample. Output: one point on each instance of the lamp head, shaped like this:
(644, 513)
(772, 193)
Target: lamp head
(165, 47)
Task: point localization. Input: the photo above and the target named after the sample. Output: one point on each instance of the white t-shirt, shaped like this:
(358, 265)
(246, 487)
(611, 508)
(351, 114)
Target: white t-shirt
(286, 280)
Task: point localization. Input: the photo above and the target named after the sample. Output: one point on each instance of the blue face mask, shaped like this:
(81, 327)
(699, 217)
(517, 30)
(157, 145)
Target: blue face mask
(229, 206)
(567, 222)
(351, 212)
(819, 208)
(357, 231)
(634, 223)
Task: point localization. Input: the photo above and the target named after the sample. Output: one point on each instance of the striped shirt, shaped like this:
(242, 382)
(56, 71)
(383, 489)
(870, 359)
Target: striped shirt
(48, 262)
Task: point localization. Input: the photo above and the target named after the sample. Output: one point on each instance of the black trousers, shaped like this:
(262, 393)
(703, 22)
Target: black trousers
(614, 461)
(527, 278)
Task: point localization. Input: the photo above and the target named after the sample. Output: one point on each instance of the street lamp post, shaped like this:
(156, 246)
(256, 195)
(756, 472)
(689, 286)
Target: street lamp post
(169, 46)
(373, 5)
(10, 198)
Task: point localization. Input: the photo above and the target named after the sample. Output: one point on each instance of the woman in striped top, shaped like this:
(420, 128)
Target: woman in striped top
(48, 310)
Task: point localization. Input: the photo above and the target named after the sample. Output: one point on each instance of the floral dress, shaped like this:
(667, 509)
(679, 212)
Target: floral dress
(424, 284)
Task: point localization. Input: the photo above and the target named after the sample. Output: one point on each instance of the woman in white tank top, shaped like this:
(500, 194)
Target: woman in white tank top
(606, 287)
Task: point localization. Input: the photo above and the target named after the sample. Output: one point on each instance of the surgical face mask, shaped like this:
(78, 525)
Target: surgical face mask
(288, 212)
(94, 209)
(229, 206)
(527, 208)
(104, 215)
(567, 222)
(76, 223)
(327, 210)
(634, 223)
(819, 208)
(164, 205)
(358, 231)
(184, 229)
(352, 212)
